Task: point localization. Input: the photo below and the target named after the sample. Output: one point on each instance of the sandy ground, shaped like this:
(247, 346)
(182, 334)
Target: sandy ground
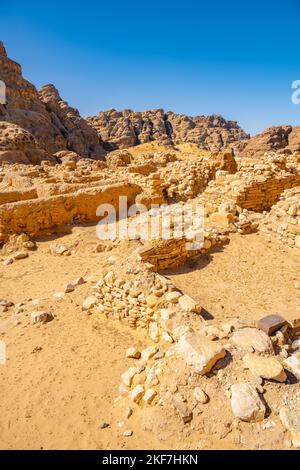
(61, 379)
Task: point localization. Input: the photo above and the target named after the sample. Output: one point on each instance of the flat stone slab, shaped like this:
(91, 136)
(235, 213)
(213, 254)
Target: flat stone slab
(266, 367)
(271, 323)
(252, 339)
(246, 403)
(200, 352)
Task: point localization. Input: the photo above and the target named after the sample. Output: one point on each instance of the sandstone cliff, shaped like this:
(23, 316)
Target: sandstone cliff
(128, 128)
(53, 123)
(285, 139)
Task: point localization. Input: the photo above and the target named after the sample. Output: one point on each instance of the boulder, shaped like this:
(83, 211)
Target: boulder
(292, 363)
(246, 403)
(188, 304)
(252, 339)
(266, 367)
(200, 352)
(271, 323)
(290, 418)
(41, 317)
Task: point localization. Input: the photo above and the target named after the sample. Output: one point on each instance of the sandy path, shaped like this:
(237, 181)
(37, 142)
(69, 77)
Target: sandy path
(61, 379)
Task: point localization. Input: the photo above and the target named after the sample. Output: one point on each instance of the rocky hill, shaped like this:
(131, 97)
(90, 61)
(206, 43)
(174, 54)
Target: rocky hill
(54, 125)
(285, 139)
(121, 129)
(37, 125)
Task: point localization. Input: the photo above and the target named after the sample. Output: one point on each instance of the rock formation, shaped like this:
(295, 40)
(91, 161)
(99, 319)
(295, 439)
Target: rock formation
(128, 128)
(55, 125)
(280, 138)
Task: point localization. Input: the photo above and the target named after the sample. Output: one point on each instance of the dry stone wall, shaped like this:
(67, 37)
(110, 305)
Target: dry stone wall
(283, 220)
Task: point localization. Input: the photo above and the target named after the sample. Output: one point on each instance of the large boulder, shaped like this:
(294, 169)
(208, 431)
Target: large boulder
(199, 352)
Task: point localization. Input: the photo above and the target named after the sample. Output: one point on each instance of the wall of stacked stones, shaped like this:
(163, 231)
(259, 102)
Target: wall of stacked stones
(262, 193)
(283, 221)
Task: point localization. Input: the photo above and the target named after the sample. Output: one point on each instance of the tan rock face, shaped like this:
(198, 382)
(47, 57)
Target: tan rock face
(272, 139)
(128, 128)
(265, 367)
(54, 124)
(200, 352)
(18, 145)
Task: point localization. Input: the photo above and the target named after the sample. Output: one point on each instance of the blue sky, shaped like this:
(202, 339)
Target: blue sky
(233, 58)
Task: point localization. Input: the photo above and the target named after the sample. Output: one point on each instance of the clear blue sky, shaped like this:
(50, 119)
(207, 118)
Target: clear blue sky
(235, 58)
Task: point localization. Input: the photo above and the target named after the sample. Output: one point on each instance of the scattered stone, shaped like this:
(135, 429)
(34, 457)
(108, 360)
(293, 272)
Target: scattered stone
(128, 433)
(246, 403)
(271, 323)
(6, 303)
(166, 313)
(148, 353)
(128, 412)
(133, 353)
(295, 344)
(69, 288)
(41, 317)
(200, 352)
(149, 396)
(153, 331)
(166, 337)
(268, 425)
(21, 255)
(89, 302)
(8, 261)
(137, 393)
(188, 304)
(252, 339)
(59, 295)
(103, 425)
(182, 408)
(78, 282)
(152, 300)
(159, 355)
(227, 208)
(290, 418)
(297, 285)
(58, 249)
(266, 367)
(200, 396)
(128, 375)
(172, 297)
(292, 363)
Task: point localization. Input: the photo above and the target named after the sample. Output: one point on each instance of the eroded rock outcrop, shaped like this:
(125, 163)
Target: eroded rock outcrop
(121, 129)
(18, 145)
(280, 138)
(53, 123)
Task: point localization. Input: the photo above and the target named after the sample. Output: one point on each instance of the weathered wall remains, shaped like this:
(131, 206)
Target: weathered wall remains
(283, 221)
(14, 196)
(263, 192)
(166, 254)
(43, 216)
